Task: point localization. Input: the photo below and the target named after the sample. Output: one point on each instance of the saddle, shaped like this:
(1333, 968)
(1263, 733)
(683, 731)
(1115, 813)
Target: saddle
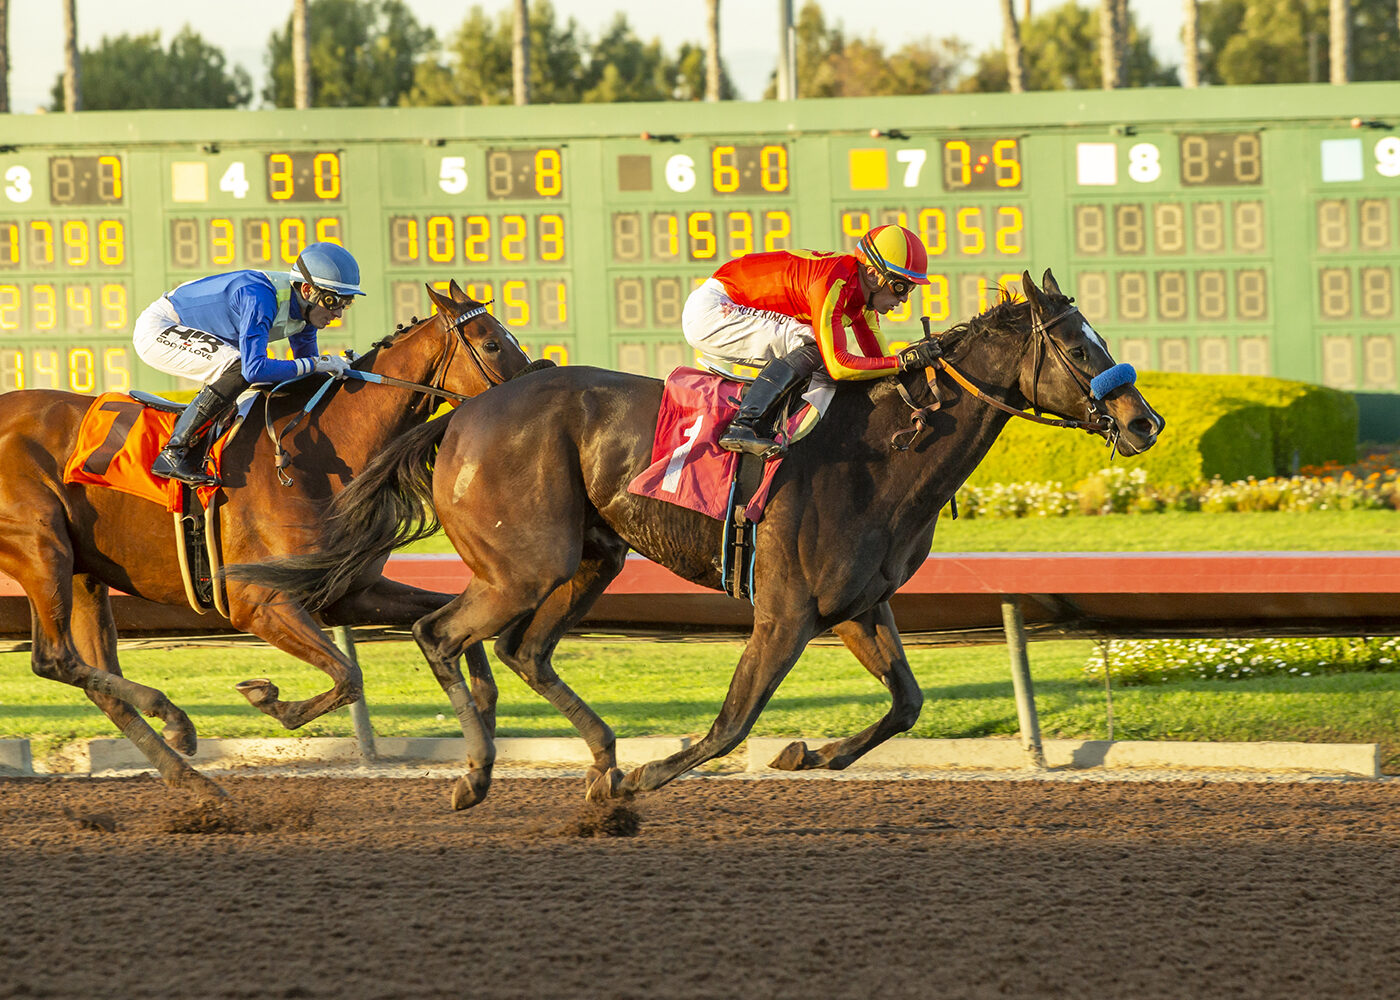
(690, 469)
(120, 436)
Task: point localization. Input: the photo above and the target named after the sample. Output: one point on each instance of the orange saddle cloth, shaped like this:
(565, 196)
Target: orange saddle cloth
(117, 442)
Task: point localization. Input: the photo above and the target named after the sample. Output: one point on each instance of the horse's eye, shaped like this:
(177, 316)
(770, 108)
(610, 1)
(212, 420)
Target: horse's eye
(1079, 354)
(492, 345)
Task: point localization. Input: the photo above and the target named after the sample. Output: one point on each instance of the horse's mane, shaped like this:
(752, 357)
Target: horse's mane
(999, 319)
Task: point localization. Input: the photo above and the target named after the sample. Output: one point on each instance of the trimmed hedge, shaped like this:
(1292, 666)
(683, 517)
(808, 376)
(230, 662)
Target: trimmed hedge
(1230, 426)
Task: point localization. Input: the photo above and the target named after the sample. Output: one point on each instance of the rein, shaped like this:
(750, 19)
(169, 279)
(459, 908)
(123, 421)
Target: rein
(434, 388)
(1094, 389)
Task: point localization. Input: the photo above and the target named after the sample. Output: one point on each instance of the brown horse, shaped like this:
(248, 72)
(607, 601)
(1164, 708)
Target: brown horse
(531, 487)
(67, 544)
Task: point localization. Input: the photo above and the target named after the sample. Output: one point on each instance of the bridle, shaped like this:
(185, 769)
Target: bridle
(434, 386)
(1095, 388)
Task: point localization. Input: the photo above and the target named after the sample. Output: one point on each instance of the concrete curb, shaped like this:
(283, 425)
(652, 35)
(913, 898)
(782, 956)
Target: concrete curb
(15, 757)
(1352, 759)
(1359, 760)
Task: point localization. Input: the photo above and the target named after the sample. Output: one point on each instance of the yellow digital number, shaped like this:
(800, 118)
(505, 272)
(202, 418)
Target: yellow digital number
(9, 307)
(854, 225)
(78, 298)
(974, 238)
(45, 365)
(40, 242)
(901, 312)
(279, 176)
(116, 373)
(325, 175)
(1012, 284)
(513, 233)
(957, 164)
(221, 243)
(11, 371)
(1008, 168)
(665, 236)
(257, 241)
(779, 228)
(109, 177)
(75, 238)
(725, 173)
(774, 175)
(934, 298)
(551, 237)
(1010, 223)
(477, 241)
(442, 240)
(701, 228)
(549, 173)
(557, 353)
(82, 369)
(483, 292)
(517, 298)
(740, 233)
(11, 244)
(114, 307)
(328, 229)
(291, 234)
(554, 302)
(111, 246)
(43, 307)
(933, 230)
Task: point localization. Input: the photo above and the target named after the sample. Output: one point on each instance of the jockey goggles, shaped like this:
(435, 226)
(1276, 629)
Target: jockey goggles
(323, 297)
(899, 286)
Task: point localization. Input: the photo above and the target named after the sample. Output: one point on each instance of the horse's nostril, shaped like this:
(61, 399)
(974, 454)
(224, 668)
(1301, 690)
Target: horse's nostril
(1142, 427)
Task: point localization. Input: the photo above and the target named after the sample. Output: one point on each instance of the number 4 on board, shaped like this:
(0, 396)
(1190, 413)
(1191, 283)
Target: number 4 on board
(234, 180)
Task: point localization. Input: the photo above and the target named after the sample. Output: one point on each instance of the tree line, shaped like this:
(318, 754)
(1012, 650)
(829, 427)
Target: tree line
(375, 53)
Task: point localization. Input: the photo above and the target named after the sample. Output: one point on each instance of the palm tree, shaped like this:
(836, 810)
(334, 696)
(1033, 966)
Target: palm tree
(712, 52)
(520, 53)
(4, 57)
(1011, 41)
(301, 64)
(1191, 53)
(72, 99)
(1108, 43)
(1339, 37)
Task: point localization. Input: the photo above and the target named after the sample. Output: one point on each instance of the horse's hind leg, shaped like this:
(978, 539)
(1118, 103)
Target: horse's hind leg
(95, 635)
(43, 566)
(528, 645)
(776, 643)
(874, 640)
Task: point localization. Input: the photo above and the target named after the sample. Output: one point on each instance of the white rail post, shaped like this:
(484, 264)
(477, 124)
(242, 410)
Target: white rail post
(1015, 628)
(359, 711)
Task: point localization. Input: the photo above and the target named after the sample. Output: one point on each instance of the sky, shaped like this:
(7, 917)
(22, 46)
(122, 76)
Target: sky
(748, 28)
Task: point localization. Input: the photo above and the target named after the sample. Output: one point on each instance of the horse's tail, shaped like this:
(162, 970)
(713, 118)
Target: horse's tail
(389, 504)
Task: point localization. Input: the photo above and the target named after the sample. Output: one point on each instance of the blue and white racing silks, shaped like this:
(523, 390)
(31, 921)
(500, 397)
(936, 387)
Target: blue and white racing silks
(248, 310)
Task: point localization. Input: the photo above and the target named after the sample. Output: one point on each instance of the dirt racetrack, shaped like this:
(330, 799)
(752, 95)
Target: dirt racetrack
(372, 888)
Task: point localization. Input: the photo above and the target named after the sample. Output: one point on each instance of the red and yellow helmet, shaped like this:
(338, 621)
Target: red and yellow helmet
(896, 253)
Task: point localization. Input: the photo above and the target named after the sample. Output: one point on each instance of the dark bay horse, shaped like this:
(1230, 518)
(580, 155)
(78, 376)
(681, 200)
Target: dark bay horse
(531, 488)
(67, 544)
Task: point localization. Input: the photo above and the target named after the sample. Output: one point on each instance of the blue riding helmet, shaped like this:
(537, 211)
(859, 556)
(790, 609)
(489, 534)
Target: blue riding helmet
(330, 266)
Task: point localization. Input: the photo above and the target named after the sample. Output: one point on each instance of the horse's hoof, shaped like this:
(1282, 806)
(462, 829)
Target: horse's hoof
(604, 786)
(794, 757)
(201, 788)
(470, 789)
(260, 692)
(179, 734)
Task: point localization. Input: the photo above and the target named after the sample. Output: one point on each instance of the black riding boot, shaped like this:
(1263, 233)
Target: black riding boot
(187, 450)
(752, 430)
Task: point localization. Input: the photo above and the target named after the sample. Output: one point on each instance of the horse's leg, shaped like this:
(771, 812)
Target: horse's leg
(484, 691)
(383, 602)
(774, 647)
(42, 563)
(527, 646)
(95, 635)
(290, 628)
(874, 640)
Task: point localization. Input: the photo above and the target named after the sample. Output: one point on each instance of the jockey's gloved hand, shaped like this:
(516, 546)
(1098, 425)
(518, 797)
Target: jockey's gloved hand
(332, 363)
(919, 354)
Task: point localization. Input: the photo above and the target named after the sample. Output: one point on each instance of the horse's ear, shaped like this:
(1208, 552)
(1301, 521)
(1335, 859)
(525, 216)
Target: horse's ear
(1032, 292)
(456, 291)
(441, 303)
(1051, 286)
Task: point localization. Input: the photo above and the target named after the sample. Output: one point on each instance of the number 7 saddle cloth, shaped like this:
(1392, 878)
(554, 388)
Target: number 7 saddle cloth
(688, 467)
(117, 442)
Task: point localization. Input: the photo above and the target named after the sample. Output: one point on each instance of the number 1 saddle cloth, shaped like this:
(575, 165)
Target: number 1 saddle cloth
(117, 442)
(688, 467)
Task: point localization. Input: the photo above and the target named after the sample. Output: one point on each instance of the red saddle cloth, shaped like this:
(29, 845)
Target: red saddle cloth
(117, 442)
(688, 467)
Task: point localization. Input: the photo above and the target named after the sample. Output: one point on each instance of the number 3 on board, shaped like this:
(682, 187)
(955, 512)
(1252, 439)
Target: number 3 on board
(452, 175)
(17, 184)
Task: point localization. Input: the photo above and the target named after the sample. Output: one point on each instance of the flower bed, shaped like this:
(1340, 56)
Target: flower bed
(1158, 661)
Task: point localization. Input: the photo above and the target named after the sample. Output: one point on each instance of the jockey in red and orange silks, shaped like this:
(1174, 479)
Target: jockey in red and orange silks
(797, 313)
